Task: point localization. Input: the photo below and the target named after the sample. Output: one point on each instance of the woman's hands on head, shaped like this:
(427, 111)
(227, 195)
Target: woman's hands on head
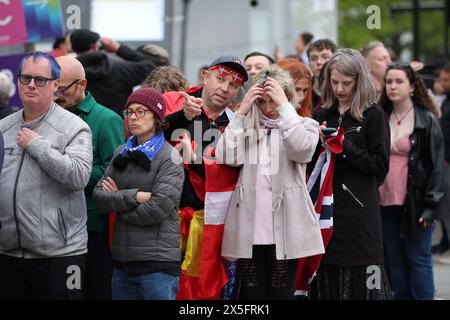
(273, 89)
(270, 89)
(255, 92)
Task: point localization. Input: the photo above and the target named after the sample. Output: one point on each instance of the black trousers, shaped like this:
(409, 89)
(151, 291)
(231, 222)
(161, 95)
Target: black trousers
(264, 277)
(98, 268)
(43, 279)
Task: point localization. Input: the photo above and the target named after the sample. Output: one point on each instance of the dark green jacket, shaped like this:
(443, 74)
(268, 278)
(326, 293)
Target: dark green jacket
(107, 135)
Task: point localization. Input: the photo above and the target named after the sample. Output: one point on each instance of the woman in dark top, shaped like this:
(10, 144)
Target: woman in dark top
(352, 267)
(143, 185)
(413, 187)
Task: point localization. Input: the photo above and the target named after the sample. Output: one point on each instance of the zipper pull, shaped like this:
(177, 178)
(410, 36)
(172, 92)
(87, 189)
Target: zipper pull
(357, 129)
(344, 187)
(341, 116)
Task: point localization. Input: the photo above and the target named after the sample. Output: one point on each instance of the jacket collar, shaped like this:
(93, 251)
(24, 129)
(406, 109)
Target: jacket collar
(335, 109)
(420, 118)
(87, 104)
(36, 122)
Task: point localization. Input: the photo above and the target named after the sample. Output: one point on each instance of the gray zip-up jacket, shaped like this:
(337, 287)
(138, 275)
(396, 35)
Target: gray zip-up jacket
(42, 203)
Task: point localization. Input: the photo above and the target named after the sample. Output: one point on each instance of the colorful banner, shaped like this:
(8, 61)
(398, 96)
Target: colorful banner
(10, 65)
(43, 19)
(12, 23)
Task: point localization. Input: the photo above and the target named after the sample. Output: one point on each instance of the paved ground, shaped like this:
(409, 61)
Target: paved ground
(442, 281)
(441, 273)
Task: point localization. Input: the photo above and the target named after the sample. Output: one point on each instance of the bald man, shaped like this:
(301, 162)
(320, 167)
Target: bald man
(107, 135)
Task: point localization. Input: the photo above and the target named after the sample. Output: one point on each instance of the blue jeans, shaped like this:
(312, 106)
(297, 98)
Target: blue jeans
(408, 259)
(151, 286)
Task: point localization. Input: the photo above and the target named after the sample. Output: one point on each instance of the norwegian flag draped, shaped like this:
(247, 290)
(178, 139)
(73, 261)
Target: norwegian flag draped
(217, 188)
(320, 187)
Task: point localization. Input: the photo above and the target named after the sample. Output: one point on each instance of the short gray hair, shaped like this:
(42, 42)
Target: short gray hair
(6, 85)
(370, 46)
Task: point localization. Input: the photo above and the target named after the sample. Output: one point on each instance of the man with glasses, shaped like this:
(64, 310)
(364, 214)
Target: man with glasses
(107, 135)
(48, 161)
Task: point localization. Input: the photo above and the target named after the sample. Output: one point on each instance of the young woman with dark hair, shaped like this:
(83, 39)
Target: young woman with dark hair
(414, 185)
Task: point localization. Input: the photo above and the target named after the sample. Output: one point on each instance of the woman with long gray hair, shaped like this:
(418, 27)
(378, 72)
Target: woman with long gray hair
(352, 267)
(271, 220)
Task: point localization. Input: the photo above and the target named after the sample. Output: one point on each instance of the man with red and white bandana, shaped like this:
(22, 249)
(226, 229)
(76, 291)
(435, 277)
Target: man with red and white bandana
(202, 116)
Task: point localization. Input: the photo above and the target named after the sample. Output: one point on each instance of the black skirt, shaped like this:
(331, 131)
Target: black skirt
(336, 282)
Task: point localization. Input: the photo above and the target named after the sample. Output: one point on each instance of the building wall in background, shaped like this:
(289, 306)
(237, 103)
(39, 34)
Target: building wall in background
(235, 27)
(216, 27)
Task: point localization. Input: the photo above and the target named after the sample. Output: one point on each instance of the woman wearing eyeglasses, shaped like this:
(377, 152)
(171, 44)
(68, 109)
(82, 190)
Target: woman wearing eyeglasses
(413, 186)
(143, 185)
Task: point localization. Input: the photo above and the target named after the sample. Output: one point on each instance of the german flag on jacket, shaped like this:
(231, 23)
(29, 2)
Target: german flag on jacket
(204, 202)
(203, 272)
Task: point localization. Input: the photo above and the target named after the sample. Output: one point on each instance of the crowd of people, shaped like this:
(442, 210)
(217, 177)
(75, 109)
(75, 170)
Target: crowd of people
(122, 181)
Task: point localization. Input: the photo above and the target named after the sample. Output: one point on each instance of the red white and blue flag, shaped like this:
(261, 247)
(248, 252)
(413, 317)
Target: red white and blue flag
(320, 188)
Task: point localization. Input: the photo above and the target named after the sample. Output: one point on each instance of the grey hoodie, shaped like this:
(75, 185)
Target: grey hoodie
(42, 203)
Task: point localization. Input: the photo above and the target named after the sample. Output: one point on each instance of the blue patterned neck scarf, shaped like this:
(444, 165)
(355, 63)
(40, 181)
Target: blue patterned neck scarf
(149, 148)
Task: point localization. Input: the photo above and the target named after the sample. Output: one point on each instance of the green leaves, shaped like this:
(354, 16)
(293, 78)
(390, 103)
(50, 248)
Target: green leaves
(395, 28)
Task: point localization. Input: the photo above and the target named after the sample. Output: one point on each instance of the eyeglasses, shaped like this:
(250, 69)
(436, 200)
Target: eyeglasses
(139, 112)
(39, 81)
(62, 89)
